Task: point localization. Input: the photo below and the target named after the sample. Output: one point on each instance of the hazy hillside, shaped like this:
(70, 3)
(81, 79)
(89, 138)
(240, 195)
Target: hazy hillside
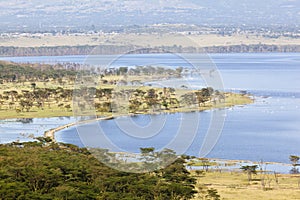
(89, 14)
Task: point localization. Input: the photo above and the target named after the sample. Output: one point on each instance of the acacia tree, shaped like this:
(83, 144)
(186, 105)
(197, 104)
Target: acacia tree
(180, 184)
(151, 98)
(26, 104)
(294, 159)
(33, 85)
(148, 157)
(250, 170)
(134, 105)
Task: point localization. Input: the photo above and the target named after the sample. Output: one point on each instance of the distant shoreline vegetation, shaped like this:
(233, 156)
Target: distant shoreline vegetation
(117, 49)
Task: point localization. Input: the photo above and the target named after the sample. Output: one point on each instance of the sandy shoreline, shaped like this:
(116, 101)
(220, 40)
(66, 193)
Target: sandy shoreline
(51, 133)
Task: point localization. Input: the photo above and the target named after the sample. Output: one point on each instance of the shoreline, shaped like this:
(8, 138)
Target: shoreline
(51, 133)
(227, 166)
(246, 162)
(222, 163)
(88, 50)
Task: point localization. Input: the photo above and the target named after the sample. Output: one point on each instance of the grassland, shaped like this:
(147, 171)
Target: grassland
(145, 40)
(235, 186)
(7, 112)
(52, 107)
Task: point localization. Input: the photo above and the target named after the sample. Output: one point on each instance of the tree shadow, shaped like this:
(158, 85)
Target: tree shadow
(294, 170)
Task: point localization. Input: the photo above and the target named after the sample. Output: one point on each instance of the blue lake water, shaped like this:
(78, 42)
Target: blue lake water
(267, 130)
(24, 129)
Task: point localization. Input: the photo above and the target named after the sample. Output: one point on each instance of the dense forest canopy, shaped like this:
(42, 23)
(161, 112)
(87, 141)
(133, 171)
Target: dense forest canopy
(46, 170)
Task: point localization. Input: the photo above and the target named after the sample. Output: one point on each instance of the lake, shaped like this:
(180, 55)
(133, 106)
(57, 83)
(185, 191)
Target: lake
(267, 130)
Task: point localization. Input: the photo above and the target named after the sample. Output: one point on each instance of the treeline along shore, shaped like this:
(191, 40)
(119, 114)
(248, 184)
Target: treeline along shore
(117, 49)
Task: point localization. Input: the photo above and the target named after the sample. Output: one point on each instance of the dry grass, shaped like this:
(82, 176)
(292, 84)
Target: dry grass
(235, 186)
(150, 40)
(54, 111)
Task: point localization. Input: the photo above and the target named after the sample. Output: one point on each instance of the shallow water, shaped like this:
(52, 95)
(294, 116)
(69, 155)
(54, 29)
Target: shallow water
(25, 129)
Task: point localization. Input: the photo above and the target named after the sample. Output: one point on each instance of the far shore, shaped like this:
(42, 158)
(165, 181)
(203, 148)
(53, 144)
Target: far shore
(145, 40)
(139, 43)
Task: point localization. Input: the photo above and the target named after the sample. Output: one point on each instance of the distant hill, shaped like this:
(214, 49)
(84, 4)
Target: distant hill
(87, 14)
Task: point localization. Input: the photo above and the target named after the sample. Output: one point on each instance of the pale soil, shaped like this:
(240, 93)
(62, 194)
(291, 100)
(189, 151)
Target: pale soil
(145, 40)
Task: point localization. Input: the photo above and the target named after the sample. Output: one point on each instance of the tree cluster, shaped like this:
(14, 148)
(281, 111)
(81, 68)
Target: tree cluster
(11, 72)
(39, 98)
(46, 170)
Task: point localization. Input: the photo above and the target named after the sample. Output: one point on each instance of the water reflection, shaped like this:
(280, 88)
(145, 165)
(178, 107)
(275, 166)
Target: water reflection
(25, 120)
